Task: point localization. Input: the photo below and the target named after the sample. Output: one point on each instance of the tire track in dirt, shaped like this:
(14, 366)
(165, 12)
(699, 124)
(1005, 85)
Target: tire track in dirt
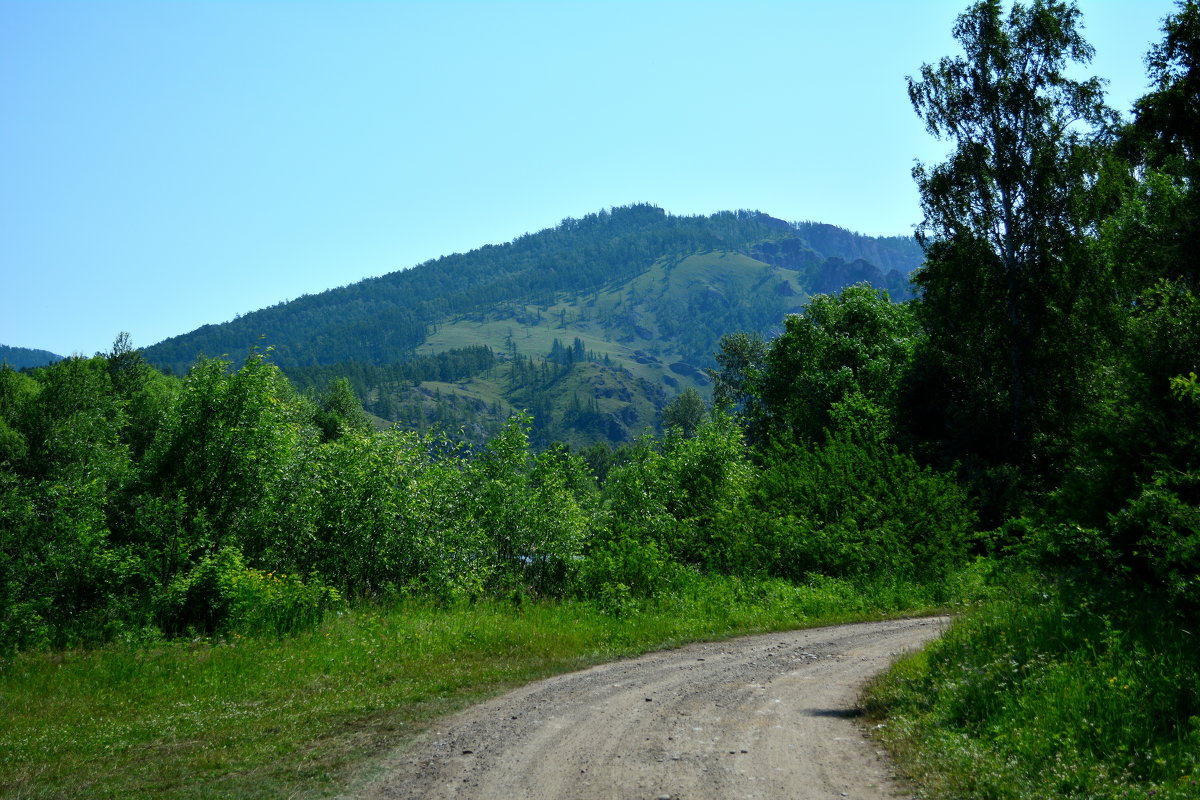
(769, 716)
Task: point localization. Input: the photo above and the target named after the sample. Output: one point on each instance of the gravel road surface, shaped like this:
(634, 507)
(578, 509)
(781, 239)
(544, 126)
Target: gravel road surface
(769, 716)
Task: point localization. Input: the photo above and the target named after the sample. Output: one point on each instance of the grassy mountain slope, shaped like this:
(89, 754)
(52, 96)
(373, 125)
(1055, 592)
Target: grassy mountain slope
(644, 340)
(643, 296)
(383, 319)
(674, 311)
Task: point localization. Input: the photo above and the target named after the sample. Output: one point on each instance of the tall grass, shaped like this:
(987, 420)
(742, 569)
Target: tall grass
(1052, 694)
(308, 715)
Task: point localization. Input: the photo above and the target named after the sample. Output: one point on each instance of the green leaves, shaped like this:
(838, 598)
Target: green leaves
(854, 506)
(1011, 302)
(226, 449)
(856, 342)
(340, 411)
(220, 594)
(529, 509)
(684, 413)
(683, 500)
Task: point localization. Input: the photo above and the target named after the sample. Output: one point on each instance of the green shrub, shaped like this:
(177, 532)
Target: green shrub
(687, 496)
(1160, 531)
(529, 511)
(222, 595)
(1152, 543)
(636, 494)
(615, 600)
(641, 568)
(226, 449)
(855, 506)
(1052, 694)
(268, 602)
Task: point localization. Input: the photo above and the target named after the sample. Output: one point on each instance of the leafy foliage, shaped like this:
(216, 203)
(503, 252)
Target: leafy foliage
(1068, 397)
(853, 505)
(1005, 219)
(220, 594)
(1049, 693)
(685, 413)
(854, 343)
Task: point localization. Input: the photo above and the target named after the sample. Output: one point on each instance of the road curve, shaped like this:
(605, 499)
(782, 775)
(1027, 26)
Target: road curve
(768, 716)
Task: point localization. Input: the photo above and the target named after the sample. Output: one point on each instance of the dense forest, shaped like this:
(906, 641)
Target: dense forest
(21, 357)
(649, 294)
(1034, 407)
(386, 319)
(649, 312)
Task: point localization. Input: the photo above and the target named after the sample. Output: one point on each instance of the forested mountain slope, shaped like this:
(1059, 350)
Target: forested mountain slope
(639, 296)
(21, 357)
(385, 319)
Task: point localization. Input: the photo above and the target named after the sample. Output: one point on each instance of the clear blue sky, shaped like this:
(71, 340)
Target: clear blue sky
(169, 164)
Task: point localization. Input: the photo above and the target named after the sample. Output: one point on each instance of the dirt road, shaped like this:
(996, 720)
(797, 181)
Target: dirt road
(761, 717)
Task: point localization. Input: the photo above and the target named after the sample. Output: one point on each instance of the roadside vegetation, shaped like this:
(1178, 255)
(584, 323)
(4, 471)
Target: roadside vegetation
(315, 713)
(215, 584)
(1070, 401)
(1051, 691)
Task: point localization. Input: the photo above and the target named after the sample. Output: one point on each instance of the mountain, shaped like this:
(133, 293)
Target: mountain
(22, 357)
(592, 325)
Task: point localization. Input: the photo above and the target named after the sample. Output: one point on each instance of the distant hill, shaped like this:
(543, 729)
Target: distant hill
(22, 357)
(900, 253)
(637, 298)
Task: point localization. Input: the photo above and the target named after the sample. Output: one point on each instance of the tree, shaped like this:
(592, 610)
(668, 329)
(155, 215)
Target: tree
(684, 413)
(740, 360)
(854, 505)
(1012, 304)
(853, 343)
(1165, 138)
(1169, 113)
(143, 392)
(17, 395)
(340, 411)
(63, 470)
(221, 461)
(1136, 475)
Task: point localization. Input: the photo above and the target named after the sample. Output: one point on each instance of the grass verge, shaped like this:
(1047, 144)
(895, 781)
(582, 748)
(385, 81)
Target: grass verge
(311, 714)
(1050, 692)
